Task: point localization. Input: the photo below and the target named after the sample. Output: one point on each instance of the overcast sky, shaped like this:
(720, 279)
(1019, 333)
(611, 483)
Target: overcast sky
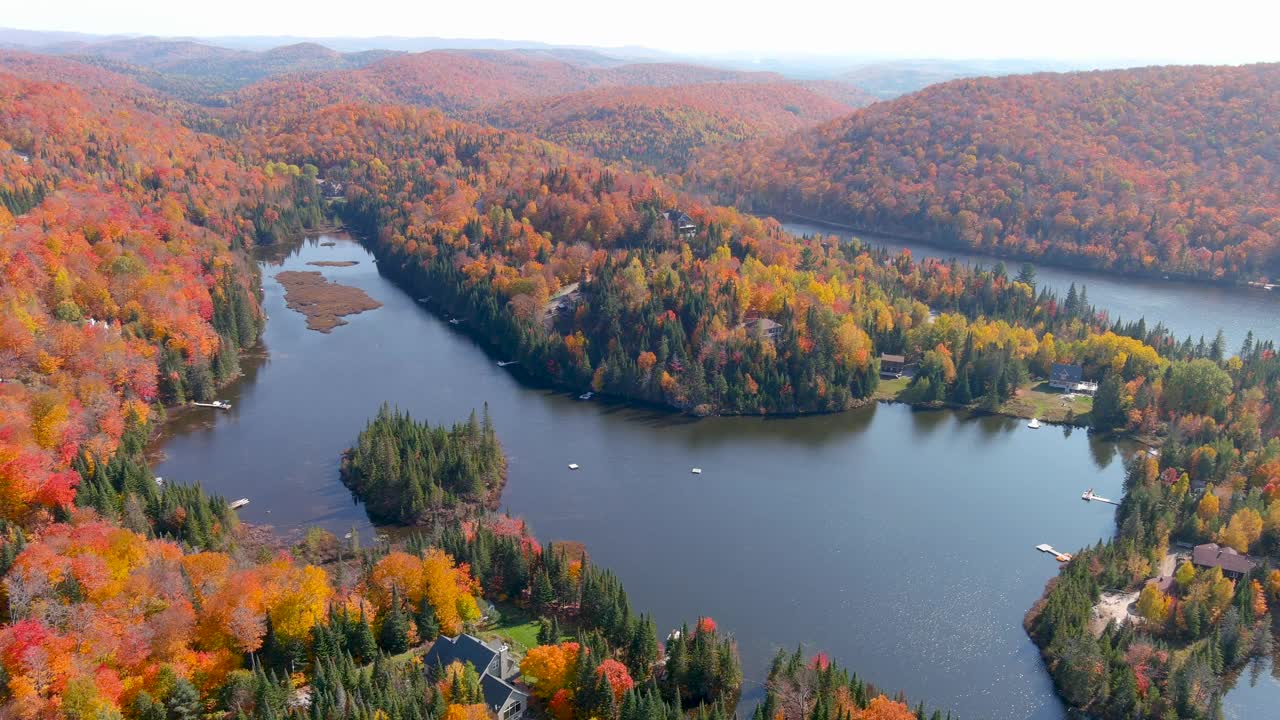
(1211, 31)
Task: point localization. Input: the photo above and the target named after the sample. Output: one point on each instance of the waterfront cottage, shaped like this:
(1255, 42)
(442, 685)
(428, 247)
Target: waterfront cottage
(496, 667)
(1211, 555)
(892, 365)
(1070, 378)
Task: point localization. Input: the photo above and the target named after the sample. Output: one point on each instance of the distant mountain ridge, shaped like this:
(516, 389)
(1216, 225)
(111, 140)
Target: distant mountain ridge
(1154, 170)
(662, 126)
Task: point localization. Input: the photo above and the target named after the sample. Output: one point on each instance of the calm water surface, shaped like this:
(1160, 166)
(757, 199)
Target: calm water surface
(1185, 308)
(900, 542)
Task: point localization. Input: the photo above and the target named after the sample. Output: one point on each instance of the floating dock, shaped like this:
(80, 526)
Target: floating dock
(1059, 556)
(1088, 496)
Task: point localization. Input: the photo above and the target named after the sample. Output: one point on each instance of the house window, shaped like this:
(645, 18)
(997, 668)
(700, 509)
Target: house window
(512, 711)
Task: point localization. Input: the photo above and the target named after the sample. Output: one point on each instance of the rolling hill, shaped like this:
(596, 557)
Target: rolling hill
(1170, 170)
(660, 127)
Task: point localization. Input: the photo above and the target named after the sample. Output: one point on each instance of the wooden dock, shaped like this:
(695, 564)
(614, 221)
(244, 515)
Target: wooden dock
(1059, 556)
(1088, 496)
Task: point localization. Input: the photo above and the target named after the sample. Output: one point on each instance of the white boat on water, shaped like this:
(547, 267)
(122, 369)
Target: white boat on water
(1034, 424)
(237, 504)
(219, 404)
(696, 471)
(454, 321)
(586, 395)
(504, 363)
(573, 466)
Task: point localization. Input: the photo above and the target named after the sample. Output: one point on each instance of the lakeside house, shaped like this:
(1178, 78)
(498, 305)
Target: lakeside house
(1069, 377)
(892, 365)
(494, 664)
(1212, 555)
(684, 225)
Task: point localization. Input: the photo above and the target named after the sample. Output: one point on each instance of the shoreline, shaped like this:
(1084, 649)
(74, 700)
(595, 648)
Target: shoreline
(1056, 262)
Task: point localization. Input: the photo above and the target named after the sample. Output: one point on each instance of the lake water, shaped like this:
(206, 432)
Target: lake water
(900, 542)
(1185, 308)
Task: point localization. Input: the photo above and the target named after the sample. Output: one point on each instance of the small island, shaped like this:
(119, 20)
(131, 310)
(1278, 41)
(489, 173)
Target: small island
(409, 472)
(323, 302)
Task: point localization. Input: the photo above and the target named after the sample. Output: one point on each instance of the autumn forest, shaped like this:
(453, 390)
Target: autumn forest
(605, 228)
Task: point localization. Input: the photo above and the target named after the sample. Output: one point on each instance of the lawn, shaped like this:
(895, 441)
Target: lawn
(1038, 400)
(1034, 399)
(889, 389)
(517, 627)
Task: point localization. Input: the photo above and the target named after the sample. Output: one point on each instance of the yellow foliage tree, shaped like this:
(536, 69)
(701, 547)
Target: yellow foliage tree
(1244, 529)
(1153, 605)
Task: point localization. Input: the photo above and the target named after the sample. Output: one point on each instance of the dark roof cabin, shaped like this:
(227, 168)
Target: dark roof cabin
(682, 223)
(494, 665)
(1065, 375)
(892, 364)
(1213, 555)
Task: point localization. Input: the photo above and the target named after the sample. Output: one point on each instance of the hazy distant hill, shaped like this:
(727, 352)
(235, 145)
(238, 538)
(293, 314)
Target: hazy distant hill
(661, 126)
(1168, 169)
(899, 77)
(462, 81)
(197, 70)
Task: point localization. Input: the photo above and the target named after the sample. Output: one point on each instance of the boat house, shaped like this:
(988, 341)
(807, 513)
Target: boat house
(1212, 555)
(496, 667)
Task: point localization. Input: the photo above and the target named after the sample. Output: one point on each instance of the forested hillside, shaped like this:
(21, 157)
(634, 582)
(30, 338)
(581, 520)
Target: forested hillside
(460, 81)
(125, 223)
(660, 127)
(1155, 170)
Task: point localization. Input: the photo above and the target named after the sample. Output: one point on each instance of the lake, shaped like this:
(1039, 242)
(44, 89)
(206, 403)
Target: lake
(900, 542)
(1186, 308)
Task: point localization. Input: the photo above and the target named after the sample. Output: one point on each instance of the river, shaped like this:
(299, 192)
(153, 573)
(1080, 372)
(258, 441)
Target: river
(901, 542)
(1186, 308)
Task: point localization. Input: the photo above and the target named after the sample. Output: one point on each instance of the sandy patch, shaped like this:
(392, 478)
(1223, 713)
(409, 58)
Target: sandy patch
(334, 263)
(1112, 606)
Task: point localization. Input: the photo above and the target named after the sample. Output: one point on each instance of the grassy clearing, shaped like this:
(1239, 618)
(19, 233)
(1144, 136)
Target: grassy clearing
(1038, 400)
(889, 389)
(517, 627)
(1033, 400)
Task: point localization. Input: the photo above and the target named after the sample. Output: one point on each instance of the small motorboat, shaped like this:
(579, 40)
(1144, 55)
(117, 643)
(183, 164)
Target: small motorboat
(237, 504)
(219, 404)
(586, 395)
(454, 321)
(696, 471)
(1034, 424)
(504, 363)
(573, 466)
